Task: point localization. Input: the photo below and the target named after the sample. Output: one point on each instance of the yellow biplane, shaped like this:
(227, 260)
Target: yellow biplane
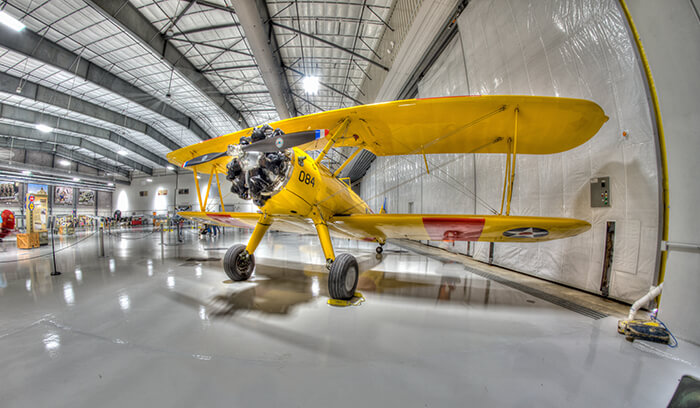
(296, 193)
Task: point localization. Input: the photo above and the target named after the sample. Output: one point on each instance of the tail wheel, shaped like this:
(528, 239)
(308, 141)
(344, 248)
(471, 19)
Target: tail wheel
(238, 263)
(342, 279)
(380, 249)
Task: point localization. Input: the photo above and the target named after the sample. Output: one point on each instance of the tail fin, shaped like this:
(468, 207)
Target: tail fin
(383, 209)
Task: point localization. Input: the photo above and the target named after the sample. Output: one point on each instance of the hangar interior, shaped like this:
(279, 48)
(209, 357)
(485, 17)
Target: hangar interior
(94, 94)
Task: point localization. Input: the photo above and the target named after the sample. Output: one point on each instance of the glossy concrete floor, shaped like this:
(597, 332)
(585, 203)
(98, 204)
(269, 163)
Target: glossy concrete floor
(152, 325)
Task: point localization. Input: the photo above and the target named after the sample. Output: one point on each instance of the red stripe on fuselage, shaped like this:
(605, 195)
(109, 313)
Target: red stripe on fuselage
(453, 229)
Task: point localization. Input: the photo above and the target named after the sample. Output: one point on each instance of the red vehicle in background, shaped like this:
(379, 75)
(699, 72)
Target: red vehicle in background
(8, 223)
(136, 221)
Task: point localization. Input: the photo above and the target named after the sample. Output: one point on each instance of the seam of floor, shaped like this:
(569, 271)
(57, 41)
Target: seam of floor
(585, 303)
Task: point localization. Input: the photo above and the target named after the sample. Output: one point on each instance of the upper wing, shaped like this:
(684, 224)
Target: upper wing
(439, 227)
(463, 124)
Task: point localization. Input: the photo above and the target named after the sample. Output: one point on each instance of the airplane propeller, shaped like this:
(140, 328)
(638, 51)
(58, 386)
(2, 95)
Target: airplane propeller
(268, 145)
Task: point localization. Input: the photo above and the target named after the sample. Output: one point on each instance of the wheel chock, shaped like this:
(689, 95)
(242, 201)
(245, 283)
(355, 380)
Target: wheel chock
(357, 299)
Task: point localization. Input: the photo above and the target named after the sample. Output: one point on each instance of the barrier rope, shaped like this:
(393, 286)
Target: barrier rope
(50, 252)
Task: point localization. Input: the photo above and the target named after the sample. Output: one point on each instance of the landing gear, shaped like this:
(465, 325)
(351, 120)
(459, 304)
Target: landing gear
(342, 279)
(380, 249)
(238, 263)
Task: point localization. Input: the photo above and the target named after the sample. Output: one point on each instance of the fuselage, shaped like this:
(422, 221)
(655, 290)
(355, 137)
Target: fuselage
(311, 185)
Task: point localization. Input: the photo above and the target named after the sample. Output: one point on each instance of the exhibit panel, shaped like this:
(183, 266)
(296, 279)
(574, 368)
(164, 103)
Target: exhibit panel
(572, 49)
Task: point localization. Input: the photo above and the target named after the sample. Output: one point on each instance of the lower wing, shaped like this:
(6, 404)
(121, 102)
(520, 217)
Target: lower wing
(434, 227)
(297, 225)
(439, 227)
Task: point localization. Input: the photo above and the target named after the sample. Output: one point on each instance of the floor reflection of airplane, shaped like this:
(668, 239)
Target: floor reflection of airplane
(296, 193)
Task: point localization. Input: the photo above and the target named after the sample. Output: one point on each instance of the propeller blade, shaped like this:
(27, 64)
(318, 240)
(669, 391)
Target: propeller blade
(203, 159)
(269, 145)
(286, 141)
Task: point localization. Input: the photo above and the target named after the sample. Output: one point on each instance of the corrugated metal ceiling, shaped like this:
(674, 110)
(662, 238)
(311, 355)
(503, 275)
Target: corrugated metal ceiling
(210, 36)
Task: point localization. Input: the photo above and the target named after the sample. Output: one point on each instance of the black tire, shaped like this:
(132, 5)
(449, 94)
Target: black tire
(342, 280)
(379, 249)
(236, 266)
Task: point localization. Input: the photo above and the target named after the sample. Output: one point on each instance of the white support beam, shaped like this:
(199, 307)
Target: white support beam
(255, 19)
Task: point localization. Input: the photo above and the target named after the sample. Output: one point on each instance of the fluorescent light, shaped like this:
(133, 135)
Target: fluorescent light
(43, 128)
(26, 172)
(170, 168)
(122, 152)
(149, 180)
(311, 84)
(64, 162)
(76, 179)
(110, 184)
(10, 21)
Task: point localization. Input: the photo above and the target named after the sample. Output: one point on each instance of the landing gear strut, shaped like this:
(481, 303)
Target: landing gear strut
(238, 263)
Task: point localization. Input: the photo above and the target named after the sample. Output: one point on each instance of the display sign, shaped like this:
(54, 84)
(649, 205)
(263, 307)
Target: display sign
(37, 206)
(86, 197)
(183, 191)
(9, 192)
(162, 192)
(63, 195)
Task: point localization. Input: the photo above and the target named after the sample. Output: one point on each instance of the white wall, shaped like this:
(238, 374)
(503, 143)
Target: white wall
(128, 200)
(670, 34)
(567, 49)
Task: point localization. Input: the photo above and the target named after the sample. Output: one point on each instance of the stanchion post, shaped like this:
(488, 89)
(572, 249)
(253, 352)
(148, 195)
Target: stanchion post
(55, 272)
(102, 242)
(161, 235)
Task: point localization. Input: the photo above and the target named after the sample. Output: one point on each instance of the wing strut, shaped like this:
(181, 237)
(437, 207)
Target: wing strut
(347, 161)
(206, 198)
(509, 178)
(331, 141)
(196, 184)
(221, 197)
(512, 166)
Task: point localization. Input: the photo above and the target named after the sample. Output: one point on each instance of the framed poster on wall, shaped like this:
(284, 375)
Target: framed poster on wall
(40, 189)
(9, 192)
(63, 195)
(86, 197)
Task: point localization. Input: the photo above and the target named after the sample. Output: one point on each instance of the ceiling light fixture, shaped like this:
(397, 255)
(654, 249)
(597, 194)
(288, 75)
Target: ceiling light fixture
(76, 179)
(149, 180)
(122, 152)
(26, 172)
(64, 162)
(170, 168)
(110, 184)
(43, 128)
(10, 21)
(311, 84)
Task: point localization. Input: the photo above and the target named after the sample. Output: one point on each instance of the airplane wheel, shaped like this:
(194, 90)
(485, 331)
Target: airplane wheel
(379, 249)
(342, 279)
(238, 263)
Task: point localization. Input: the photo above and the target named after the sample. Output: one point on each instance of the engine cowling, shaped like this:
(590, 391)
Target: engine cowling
(258, 176)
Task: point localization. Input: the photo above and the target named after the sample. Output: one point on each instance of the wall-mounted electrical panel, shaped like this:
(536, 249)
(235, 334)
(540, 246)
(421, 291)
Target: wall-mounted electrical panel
(600, 192)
